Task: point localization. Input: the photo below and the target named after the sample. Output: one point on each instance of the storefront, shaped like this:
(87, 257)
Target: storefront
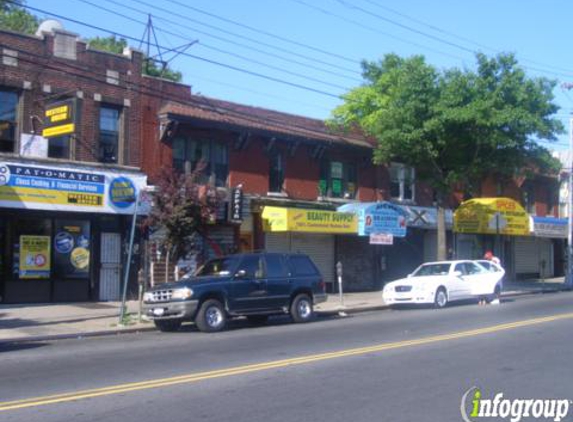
(369, 259)
(63, 231)
(497, 224)
(307, 231)
(542, 255)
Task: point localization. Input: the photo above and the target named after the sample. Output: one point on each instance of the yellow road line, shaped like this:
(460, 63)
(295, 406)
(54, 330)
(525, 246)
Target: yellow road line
(246, 369)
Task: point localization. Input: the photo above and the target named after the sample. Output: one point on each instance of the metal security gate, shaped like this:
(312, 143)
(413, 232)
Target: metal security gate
(110, 271)
(320, 248)
(530, 253)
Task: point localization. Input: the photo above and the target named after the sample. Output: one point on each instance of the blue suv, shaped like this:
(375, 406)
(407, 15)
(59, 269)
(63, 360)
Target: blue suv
(254, 285)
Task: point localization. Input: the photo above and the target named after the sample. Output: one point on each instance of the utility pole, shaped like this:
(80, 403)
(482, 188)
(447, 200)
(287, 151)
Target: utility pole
(569, 274)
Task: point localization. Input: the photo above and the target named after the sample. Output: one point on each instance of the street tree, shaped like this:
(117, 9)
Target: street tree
(181, 207)
(454, 126)
(14, 17)
(116, 45)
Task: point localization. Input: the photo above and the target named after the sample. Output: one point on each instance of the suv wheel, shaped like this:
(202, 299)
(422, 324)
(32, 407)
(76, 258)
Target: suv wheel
(301, 308)
(211, 316)
(167, 325)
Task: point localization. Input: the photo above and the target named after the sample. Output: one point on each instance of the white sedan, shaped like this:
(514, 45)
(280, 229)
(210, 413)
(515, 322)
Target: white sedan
(445, 281)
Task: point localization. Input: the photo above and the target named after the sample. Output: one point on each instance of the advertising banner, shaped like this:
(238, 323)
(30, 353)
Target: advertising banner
(378, 217)
(34, 257)
(277, 219)
(502, 216)
(68, 189)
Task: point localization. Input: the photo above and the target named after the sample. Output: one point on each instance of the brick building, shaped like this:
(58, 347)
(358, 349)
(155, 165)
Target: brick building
(70, 124)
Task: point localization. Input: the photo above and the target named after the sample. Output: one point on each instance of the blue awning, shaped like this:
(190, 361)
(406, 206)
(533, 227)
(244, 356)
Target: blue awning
(378, 217)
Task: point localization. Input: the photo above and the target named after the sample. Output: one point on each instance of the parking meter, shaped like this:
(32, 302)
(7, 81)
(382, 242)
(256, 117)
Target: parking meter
(339, 276)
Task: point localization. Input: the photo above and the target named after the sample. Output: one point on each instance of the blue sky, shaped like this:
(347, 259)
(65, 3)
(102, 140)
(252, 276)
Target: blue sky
(317, 45)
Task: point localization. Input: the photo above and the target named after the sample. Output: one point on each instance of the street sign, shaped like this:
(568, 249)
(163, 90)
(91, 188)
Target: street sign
(381, 239)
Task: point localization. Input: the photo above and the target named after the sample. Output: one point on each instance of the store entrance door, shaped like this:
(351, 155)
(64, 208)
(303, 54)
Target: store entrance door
(110, 271)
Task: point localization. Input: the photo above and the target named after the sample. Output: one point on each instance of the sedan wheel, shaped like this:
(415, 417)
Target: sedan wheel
(441, 299)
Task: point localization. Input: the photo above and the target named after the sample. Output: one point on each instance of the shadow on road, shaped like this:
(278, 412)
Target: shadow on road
(8, 347)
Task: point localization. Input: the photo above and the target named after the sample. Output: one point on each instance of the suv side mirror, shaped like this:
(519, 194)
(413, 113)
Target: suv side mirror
(241, 274)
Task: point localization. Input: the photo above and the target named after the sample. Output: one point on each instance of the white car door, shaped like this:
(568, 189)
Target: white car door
(457, 283)
(470, 273)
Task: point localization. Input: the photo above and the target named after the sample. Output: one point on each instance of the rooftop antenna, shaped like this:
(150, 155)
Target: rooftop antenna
(158, 57)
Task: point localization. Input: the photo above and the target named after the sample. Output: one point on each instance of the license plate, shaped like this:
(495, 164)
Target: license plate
(158, 311)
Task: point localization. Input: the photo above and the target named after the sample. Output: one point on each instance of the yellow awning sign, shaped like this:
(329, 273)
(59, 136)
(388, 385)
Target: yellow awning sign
(278, 219)
(491, 216)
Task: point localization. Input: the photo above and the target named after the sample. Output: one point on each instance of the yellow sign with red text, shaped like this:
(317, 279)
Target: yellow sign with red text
(492, 216)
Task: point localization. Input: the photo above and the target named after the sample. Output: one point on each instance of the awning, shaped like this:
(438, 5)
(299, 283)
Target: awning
(279, 219)
(491, 216)
(550, 227)
(377, 218)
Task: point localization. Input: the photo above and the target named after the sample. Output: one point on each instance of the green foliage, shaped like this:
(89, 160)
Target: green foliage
(110, 44)
(181, 207)
(454, 126)
(14, 17)
(150, 67)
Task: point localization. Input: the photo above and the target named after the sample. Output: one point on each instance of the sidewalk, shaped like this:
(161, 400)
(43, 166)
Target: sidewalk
(52, 321)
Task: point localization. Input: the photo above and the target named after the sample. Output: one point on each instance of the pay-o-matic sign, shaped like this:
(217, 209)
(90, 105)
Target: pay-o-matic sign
(66, 189)
(60, 118)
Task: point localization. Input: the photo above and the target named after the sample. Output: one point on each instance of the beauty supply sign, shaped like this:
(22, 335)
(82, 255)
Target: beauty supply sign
(68, 189)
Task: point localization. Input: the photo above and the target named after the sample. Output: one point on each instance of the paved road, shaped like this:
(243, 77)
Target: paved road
(406, 365)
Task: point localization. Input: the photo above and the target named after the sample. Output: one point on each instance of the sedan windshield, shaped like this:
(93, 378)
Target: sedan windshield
(220, 267)
(432, 269)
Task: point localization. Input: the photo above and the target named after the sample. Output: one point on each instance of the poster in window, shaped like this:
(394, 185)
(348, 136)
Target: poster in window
(34, 257)
(72, 248)
(336, 170)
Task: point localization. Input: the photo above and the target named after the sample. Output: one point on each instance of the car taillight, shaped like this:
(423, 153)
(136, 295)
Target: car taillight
(322, 285)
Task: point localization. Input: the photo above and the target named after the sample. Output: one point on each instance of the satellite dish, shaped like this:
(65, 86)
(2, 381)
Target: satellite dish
(49, 26)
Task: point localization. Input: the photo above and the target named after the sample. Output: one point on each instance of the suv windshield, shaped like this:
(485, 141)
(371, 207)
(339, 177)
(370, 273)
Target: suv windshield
(432, 269)
(221, 267)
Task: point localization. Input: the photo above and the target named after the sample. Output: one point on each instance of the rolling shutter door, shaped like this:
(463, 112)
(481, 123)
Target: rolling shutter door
(277, 242)
(546, 254)
(526, 256)
(320, 248)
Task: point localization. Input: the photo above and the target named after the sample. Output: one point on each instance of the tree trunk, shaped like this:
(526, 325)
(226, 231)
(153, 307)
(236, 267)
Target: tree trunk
(441, 223)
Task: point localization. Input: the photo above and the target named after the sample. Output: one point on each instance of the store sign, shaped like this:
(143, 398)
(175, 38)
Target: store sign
(60, 118)
(34, 257)
(68, 189)
(381, 239)
(425, 217)
(378, 217)
(550, 227)
(277, 219)
(491, 216)
(236, 206)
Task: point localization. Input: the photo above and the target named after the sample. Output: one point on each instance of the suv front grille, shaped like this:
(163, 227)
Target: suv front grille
(162, 295)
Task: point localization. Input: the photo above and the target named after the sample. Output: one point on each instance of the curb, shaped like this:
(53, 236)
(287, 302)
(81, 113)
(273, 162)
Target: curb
(327, 313)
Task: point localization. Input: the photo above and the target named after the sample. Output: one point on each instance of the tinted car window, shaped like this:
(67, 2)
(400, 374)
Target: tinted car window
(275, 266)
(218, 267)
(461, 268)
(473, 268)
(301, 265)
(432, 269)
(253, 266)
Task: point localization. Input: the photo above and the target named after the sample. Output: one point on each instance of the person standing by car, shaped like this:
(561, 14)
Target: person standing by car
(494, 259)
(491, 257)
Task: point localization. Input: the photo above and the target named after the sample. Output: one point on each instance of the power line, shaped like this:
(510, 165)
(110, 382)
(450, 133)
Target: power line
(250, 60)
(200, 102)
(203, 59)
(375, 30)
(269, 34)
(249, 39)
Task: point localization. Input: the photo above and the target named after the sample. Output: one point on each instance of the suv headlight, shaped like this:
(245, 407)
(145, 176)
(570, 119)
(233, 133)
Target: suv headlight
(184, 293)
(148, 297)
